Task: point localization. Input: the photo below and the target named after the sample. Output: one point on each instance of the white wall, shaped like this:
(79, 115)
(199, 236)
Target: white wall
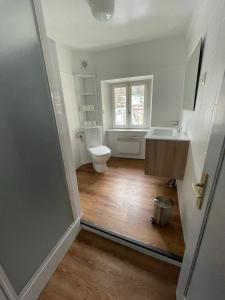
(69, 65)
(207, 23)
(106, 105)
(162, 58)
(65, 58)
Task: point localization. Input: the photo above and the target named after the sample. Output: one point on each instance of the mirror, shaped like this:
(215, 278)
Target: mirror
(191, 78)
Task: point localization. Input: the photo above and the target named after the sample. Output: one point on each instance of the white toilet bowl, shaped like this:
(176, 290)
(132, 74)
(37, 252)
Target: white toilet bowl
(99, 153)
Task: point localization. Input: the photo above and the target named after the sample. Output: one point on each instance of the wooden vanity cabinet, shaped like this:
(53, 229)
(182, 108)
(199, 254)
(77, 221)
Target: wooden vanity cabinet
(166, 158)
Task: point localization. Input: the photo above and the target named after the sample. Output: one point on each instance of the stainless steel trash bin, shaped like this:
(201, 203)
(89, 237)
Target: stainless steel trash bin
(162, 210)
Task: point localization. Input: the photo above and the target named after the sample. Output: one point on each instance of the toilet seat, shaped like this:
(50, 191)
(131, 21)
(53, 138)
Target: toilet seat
(100, 150)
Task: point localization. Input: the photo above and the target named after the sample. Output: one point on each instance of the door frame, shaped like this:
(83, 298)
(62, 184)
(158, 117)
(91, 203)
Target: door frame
(6, 286)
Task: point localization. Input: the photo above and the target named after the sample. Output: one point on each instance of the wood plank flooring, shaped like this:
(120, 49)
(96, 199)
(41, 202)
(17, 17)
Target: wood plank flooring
(97, 268)
(121, 200)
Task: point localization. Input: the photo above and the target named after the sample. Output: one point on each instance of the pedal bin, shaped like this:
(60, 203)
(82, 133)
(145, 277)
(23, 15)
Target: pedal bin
(162, 211)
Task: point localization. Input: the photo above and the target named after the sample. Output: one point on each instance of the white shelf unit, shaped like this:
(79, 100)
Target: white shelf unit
(86, 93)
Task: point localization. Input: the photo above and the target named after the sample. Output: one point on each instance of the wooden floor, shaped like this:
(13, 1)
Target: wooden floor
(121, 200)
(96, 268)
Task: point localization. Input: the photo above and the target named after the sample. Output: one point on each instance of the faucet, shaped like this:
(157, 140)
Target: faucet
(177, 125)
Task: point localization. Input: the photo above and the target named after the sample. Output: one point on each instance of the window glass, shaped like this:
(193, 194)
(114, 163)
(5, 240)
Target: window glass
(120, 99)
(137, 105)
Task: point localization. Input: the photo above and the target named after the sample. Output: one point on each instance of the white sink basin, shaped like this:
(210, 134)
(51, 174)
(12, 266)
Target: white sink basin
(163, 131)
(166, 133)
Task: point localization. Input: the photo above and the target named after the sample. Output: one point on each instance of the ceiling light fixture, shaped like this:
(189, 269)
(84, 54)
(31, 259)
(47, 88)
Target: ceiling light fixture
(102, 10)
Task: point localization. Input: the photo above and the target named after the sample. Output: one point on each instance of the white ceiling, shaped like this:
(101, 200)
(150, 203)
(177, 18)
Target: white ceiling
(71, 22)
(129, 79)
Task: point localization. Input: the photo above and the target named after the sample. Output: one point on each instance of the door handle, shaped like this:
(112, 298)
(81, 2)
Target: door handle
(199, 189)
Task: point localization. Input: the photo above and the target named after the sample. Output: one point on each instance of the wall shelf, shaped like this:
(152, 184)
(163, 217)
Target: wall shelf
(85, 75)
(86, 94)
(86, 91)
(89, 111)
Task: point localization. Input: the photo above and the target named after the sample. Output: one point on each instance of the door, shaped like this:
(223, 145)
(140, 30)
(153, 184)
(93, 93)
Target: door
(61, 121)
(208, 278)
(213, 163)
(58, 101)
(35, 209)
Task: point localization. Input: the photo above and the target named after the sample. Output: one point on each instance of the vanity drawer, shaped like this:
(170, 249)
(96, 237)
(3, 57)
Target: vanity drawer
(166, 158)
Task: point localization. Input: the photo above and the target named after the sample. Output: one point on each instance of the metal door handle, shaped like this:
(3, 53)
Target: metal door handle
(199, 189)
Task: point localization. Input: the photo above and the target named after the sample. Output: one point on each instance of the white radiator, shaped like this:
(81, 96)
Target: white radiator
(129, 145)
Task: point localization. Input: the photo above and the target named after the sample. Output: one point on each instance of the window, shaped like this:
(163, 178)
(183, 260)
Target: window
(130, 105)
(137, 105)
(120, 108)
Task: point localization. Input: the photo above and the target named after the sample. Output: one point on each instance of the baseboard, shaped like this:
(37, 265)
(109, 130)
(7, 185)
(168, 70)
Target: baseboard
(34, 287)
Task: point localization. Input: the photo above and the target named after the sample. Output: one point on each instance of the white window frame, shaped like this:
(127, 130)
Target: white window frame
(147, 104)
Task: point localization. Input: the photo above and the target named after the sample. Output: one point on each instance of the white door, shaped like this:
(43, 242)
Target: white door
(208, 278)
(62, 125)
(213, 163)
(51, 61)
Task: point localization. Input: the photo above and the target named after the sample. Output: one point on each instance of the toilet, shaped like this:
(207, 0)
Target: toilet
(99, 153)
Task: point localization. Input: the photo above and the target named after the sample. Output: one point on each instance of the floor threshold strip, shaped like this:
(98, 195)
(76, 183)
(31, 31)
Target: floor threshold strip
(134, 244)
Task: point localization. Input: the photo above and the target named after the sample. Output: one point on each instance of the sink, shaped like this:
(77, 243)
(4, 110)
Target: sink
(166, 133)
(166, 152)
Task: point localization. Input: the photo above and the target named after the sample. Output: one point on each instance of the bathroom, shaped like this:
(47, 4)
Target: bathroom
(153, 73)
(117, 196)
(112, 149)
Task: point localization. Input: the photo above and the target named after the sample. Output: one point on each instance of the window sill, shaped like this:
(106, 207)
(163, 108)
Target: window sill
(127, 130)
